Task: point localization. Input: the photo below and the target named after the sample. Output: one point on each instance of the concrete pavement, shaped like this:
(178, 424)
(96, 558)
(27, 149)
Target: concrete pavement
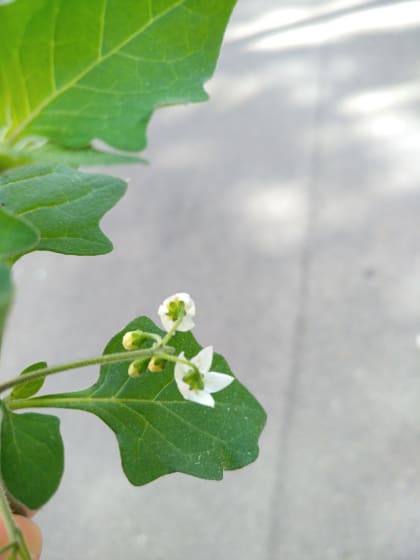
(288, 206)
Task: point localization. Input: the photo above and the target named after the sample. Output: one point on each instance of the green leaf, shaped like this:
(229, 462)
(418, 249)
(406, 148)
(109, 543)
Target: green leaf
(63, 204)
(29, 388)
(6, 295)
(76, 71)
(16, 235)
(32, 457)
(157, 430)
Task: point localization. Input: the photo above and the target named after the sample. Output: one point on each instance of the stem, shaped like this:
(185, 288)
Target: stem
(105, 359)
(177, 359)
(171, 333)
(17, 542)
(23, 547)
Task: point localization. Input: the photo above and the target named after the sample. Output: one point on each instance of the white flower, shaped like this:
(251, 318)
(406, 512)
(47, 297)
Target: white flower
(171, 309)
(198, 387)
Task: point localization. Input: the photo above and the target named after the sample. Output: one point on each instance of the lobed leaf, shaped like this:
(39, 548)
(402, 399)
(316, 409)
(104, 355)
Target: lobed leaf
(75, 71)
(32, 457)
(16, 235)
(62, 204)
(157, 430)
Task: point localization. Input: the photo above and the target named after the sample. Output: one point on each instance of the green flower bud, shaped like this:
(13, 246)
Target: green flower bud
(156, 364)
(138, 367)
(133, 340)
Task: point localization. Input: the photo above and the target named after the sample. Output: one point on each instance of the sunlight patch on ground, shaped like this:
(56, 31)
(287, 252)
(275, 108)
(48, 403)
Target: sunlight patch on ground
(389, 125)
(266, 22)
(374, 20)
(273, 215)
(236, 92)
(389, 117)
(382, 98)
(285, 16)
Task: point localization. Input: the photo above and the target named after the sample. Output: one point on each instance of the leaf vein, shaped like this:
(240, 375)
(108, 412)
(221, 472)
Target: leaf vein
(53, 44)
(102, 28)
(59, 205)
(32, 115)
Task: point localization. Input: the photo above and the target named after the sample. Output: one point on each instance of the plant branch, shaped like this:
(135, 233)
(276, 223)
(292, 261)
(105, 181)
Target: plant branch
(105, 359)
(17, 542)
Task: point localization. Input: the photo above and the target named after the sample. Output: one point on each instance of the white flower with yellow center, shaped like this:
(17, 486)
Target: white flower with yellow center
(176, 307)
(197, 384)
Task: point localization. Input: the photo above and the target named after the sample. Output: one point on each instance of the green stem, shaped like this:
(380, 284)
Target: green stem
(17, 542)
(105, 359)
(171, 333)
(177, 359)
(23, 547)
(6, 548)
(52, 401)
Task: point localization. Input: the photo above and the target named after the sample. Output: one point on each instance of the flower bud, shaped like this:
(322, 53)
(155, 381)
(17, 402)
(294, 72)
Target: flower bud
(138, 367)
(156, 364)
(133, 340)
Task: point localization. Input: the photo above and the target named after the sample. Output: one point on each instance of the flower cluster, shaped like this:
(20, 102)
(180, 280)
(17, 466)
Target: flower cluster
(193, 377)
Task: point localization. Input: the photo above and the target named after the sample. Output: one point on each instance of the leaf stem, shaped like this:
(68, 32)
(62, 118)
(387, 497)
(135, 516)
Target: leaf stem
(17, 542)
(105, 359)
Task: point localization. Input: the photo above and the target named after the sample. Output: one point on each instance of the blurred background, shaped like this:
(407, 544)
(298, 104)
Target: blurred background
(288, 206)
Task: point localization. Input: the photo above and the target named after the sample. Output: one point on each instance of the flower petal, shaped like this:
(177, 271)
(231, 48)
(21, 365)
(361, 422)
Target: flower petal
(187, 299)
(166, 321)
(204, 359)
(186, 324)
(201, 397)
(179, 373)
(180, 370)
(184, 389)
(215, 381)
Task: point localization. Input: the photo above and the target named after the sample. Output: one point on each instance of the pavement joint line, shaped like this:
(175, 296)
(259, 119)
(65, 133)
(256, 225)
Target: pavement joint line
(276, 528)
